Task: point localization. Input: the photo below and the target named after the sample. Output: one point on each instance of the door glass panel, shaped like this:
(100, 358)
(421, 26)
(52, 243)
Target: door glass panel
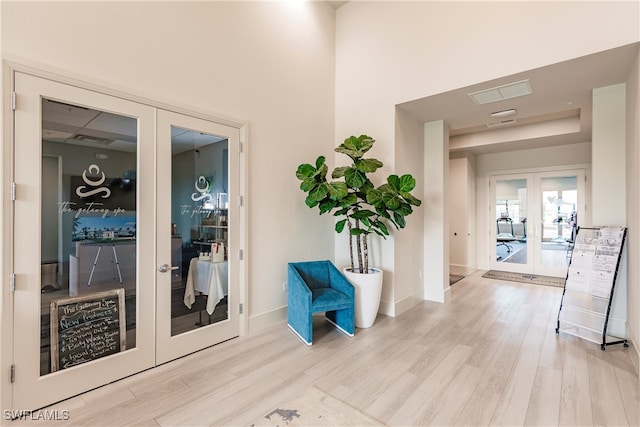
(511, 221)
(88, 235)
(199, 229)
(559, 219)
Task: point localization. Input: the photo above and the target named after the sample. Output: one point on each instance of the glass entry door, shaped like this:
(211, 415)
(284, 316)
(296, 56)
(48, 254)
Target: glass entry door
(125, 240)
(536, 216)
(561, 209)
(510, 220)
(83, 306)
(197, 250)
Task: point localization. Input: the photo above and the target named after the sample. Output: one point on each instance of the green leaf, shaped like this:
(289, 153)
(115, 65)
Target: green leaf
(322, 172)
(341, 212)
(362, 214)
(305, 171)
(394, 181)
(340, 225)
(382, 227)
(350, 200)
(319, 192)
(311, 202)
(354, 178)
(320, 161)
(368, 165)
(399, 219)
(391, 200)
(326, 205)
(374, 197)
(337, 190)
(412, 200)
(308, 184)
(407, 183)
(357, 231)
(405, 209)
(339, 172)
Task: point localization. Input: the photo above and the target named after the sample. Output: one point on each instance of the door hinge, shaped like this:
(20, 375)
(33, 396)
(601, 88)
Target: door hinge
(239, 200)
(13, 191)
(12, 282)
(241, 146)
(240, 308)
(240, 254)
(14, 101)
(13, 373)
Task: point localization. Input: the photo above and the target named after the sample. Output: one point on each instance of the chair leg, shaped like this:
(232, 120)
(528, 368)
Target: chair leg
(343, 320)
(309, 343)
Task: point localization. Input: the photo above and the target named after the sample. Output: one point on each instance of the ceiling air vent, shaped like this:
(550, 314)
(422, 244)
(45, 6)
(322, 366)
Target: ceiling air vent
(92, 139)
(508, 91)
(501, 123)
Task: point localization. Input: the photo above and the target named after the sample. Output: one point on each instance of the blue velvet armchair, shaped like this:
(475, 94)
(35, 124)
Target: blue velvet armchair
(318, 286)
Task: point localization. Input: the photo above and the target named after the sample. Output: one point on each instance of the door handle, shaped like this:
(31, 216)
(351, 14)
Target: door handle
(165, 267)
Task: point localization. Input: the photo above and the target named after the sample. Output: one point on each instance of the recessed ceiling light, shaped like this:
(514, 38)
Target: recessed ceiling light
(504, 113)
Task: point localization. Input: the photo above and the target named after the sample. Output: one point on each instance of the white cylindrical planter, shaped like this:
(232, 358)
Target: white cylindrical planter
(368, 289)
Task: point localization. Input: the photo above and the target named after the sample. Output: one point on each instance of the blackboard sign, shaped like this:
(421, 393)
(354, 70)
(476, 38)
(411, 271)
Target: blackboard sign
(86, 328)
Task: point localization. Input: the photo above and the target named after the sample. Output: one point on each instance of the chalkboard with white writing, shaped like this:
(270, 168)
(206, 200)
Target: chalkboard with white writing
(86, 328)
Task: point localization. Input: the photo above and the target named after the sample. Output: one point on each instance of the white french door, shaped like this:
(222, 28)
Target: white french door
(77, 126)
(141, 193)
(197, 238)
(533, 218)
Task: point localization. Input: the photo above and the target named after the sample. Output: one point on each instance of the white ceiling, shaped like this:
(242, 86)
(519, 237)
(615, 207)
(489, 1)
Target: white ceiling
(557, 112)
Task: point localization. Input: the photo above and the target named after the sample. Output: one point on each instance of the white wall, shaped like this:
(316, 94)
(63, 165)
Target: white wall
(609, 187)
(268, 63)
(632, 135)
(393, 52)
(407, 275)
(608, 159)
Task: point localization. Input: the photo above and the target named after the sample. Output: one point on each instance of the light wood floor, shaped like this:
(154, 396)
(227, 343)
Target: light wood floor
(489, 357)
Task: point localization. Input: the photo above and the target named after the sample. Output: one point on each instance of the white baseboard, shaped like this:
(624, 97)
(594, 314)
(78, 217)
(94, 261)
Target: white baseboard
(462, 269)
(406, 304)
(267, 319)
(386, 308)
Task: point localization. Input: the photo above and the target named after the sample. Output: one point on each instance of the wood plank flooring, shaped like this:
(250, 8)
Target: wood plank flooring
(489, 357)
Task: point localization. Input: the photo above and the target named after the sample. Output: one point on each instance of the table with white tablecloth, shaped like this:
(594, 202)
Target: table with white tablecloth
(208, 278)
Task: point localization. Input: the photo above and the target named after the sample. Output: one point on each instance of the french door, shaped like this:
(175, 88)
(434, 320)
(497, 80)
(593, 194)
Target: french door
(533, 220)
(118, 208)
(197, 245)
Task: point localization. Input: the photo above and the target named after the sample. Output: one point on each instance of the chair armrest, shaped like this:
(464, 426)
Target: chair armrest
(297, 286)
(339, 282)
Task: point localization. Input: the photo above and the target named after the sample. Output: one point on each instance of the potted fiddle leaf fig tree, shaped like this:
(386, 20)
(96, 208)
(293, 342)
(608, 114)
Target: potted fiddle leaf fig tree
(362, 209)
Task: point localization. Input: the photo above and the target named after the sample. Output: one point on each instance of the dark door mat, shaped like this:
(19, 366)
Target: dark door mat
(453, 278)
(525, 278)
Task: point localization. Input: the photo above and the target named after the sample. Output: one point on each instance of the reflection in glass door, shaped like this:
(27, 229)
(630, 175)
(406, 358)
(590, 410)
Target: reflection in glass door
(197, 275)
(561, 204)
(510, 224)
(199, 233)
